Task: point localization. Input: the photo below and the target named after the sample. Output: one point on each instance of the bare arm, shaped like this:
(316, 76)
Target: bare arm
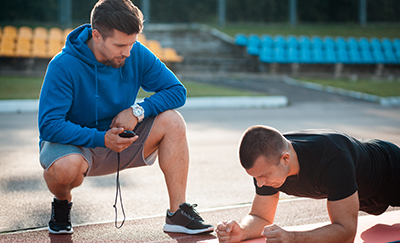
(262, 213)
(343, 214)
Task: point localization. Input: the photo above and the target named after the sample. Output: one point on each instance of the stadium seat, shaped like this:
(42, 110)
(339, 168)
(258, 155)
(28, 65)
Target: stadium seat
(354, 56)
(352, 43)
(23, 47)
(279, 55)
(54, 46)
(342, 56)
(292, 42)
(39, 48)
(25, 32)
(267, 41)
(317, 56)
(10, 32)
(378, 56)
(305, 56)
(366, 56)
(330, 56)
(329, 43)
(240, 39)
(316, 42)
(55, 34)
(40, 33)
(340, 43)
(304, 42)
(279, 41)
(170, 55)
(7, 46)
(292, 55)
(387, 44)
(396, 44)
(364, 43)
(376, 44)
(253, 45)
(390, 58)
(66, 33)
(265, 55)
(155, 47)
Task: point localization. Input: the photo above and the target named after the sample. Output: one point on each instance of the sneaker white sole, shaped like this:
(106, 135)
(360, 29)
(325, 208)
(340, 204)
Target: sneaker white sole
(180, 229)
(61, 232)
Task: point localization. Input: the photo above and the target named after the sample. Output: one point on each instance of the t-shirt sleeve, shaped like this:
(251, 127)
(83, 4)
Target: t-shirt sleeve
(338, 178)
(264, 190)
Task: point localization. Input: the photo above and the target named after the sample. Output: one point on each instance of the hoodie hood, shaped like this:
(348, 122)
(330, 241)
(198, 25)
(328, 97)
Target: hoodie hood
(76, 45)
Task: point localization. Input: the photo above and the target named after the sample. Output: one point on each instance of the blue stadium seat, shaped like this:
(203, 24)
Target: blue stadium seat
(317, 42)
(329, 43)
(387, 45)
(241, 39)
(352, 43)
(304, 42)
(364, 43)
(390, 58)
(279, 41)
(366, 56)
(267, 41)
(253, 45)
(279, 55)
(266, 55)
(340, 43)
(378, 56)
(330, 56)
(354, 56)
(396, 44)
(292, 41)
(317, 56)
(342, 56)
(376, 44)
(292, 55)
(305, 56)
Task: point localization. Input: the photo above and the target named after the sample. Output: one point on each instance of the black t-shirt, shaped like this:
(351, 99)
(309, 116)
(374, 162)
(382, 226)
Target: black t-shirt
(334, 165)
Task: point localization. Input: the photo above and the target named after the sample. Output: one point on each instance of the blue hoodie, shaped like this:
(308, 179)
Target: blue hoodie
(80, 96)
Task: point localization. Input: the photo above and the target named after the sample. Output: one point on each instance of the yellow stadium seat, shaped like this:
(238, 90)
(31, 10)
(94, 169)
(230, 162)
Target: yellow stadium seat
(39, 48)
(170, 55)
(10, 32)
(142, 39)
(53, 47)
(23, 47)
(7, 47)
(40, 33)
(0, 33)
(155, 47)
(25, 32)
(65, 33)
(56, 34)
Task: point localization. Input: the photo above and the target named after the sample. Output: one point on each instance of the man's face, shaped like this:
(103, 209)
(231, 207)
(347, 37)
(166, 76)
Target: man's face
(268, 172)
(116, 48)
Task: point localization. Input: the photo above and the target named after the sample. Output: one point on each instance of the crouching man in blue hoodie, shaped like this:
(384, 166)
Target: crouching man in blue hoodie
(88, 99)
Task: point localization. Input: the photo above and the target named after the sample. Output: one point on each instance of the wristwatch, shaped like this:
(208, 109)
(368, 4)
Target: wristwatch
(138, 111)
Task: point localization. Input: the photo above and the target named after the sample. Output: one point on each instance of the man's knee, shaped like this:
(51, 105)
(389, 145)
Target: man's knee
(172, 121)
(66, 169)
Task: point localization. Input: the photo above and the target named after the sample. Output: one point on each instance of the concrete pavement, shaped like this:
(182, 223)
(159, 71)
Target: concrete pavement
(216, 181)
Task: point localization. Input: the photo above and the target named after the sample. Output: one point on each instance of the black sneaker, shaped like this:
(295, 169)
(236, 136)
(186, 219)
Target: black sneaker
(186, 220)
(60, 222)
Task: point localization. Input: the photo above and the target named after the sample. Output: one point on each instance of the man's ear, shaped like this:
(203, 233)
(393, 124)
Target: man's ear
(96, 35)
(285, 157)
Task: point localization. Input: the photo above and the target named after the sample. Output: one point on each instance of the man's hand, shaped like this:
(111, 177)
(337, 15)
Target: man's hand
(229, 232)
(125, 119)
(113, 141)
(274, 233)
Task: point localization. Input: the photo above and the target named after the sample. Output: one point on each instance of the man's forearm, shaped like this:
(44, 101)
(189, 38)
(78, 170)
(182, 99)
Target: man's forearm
(332, 233)
(253, 226)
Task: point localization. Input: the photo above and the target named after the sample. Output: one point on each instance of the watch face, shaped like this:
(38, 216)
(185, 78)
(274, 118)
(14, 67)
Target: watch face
(138, 111)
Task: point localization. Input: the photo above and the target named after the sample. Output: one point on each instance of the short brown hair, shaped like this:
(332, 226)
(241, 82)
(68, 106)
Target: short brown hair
(260, 141)
(121, 15)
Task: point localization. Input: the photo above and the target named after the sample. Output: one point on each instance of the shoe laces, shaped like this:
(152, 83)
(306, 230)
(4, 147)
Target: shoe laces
(61, 213)
(191, 212)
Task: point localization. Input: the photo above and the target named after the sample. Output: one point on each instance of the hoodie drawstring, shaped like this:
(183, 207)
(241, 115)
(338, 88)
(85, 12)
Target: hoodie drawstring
(97, 93)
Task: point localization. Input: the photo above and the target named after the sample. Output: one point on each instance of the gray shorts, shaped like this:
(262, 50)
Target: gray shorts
(103, 161)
